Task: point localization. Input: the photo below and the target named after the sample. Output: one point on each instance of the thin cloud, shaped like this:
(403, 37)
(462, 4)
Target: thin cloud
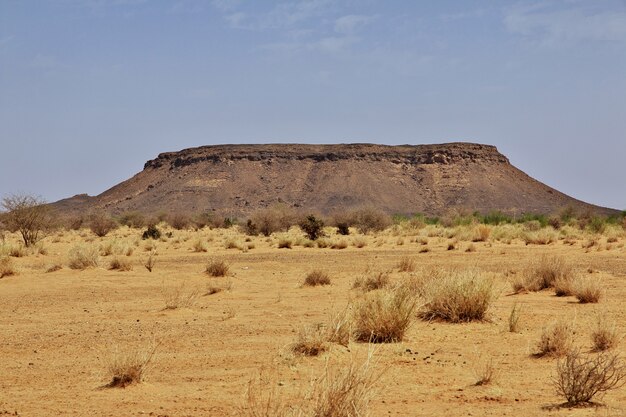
(576, 22)
(351, 23)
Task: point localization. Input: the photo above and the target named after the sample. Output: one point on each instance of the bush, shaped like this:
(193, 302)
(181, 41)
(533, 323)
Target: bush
(315, 278)
(481, 233)
(217, 268)
(83, 257)
(120, 264)
(271, 220)
(406, 264)
(546, 273)
(588, 290)
(514, 318)
(556, 340)
(126, 367)
(342, 244)
(179, 297)
(179, 221)
(132, 219)
(372, 281)
(312, 227)
(371, 220)
(311, 341)
(284, 243)
(101, 224)
(459, 296)
(343, 228)
(604, 336)
(580, 378)
(6, 267)
(383, 316)
(28, 215)
(152, 232)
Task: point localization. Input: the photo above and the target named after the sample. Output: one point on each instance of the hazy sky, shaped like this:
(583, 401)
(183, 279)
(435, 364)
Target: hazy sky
(91, 89)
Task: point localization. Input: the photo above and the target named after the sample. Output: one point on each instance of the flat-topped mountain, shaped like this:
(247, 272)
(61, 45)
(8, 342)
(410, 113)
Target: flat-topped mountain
(239, 179)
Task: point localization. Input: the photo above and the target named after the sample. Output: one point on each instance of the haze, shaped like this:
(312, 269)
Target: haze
(91, 89)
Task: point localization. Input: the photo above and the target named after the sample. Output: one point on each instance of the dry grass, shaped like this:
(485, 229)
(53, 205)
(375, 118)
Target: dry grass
(383, 316)
(216, 286)
(6, 267)
(199, 246)
(127, 366)
(285, 244)
(217, 268)
(459, 296)
(588, 290)
(556, 340)
(18, 251)
(315, 278)
(604, 336)
(406, 264)
(179, 297)
(311, 341)
(54, 268)
(372, 281)
(342, 244)
(120, 264)
(481, 233)
(581, 378)
(514, 318)
(83, 257)
(485, 371)
(150, 261)
(547, 272)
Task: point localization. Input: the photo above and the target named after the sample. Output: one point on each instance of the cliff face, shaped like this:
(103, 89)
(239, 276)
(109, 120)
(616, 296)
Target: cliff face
(238, 179)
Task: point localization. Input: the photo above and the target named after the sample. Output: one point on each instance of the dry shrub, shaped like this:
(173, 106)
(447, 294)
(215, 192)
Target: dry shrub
(459, 296)
(83, 257)
(217, 268)
(344, 391)
(604, 336)
(18, 251)
(127, 366)
(545, 273)
(485, 372)
(580, 378)
(179, 297)
(370, 220)
(372, 281)
(322, 243)
(6, 267)
(588, 290)
(199, 246)
(150, 261)
(514, 318)
(216, 286)
(120, 264)
(342, 244)
(541, 237)
(315, 278)
(232, 244)
(565, 285)
(383, 316)
(312, 341)
(481, 233)
(271, 220)
(556, 340)
(470, 248)
(179, 221)
(285, 243)
(101, 224)
(339, 328)
(359, 242)
(406, 264)
(54, 268)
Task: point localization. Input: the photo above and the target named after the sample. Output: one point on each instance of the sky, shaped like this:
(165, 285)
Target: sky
(92, 89)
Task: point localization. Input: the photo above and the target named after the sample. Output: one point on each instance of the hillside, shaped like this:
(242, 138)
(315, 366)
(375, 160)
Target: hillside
(239, 179)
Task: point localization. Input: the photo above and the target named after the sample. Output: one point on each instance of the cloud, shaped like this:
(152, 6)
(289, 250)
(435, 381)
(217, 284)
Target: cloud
(351, 23)
(573, 23)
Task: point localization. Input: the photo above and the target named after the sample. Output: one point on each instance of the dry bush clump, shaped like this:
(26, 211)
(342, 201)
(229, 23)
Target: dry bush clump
(120, 264)
(18, 251)
(83, 257)
(556, 340)
(127, 366)
(481, 233)
(541, 237)
(383, 316)
(311, 341)
(54, 268)
(217, 268)
(339, 328)
(406, 264)
(285, 243)
(370, 220)
(344, 391)
(580, 378)
(514, 318)
(179, 221)
(216, 286)
(545, 273)
(604, 336)
(199, 246)
(459, 296)
(6, 267)
(485, 371)
(179, 297)
(315, 278)
(341, 244)
(359, 242)
(372, 281)
(101, 224)
(588, 290)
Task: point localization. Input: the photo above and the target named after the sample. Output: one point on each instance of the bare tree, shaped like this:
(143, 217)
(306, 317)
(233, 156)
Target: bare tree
(27, 214)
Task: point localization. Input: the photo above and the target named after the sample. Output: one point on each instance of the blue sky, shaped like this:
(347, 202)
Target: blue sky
(91, 89)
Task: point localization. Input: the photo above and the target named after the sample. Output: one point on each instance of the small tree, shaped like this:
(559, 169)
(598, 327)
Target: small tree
(101, 224)
(27, 214)
(313, 227)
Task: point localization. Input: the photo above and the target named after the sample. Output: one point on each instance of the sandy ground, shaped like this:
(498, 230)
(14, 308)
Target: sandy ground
(59, 329)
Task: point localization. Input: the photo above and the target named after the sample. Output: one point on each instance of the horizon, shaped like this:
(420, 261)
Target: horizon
(92, 89)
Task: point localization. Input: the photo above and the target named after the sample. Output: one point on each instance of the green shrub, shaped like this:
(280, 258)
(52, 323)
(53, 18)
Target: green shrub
(152, 232)
(312, 227)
